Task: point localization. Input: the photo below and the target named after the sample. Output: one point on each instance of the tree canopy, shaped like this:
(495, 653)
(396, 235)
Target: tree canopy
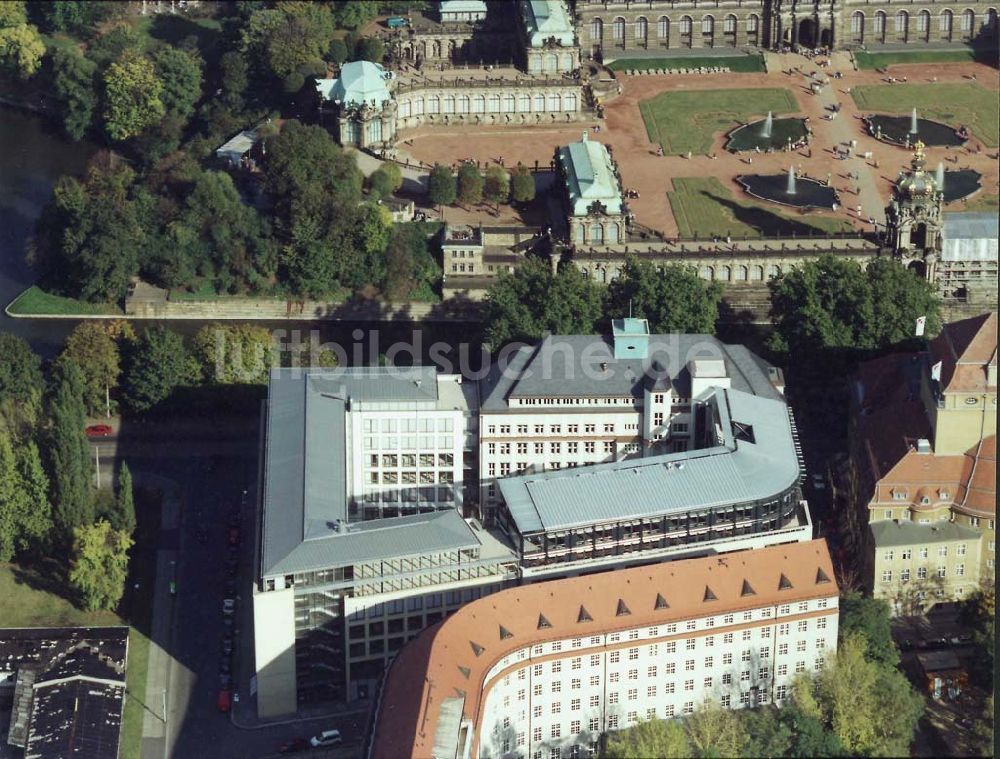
(25, 513)
(441, 185)
(469, 184)
(234, 353)
(132, 95)
(870, 617)
(100, 565)
(157, 363)
(673, 298)
(21, 381)
(21, 47)
(74, 78)
(68, 451)
(96, 353)
(532, 301)
(834, 303)
(522, 185)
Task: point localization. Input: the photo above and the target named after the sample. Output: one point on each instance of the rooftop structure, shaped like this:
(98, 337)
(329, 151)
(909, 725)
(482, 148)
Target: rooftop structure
(889, 533)
(452, 692)
(590, 177)
(360, 83)
(461, 10)
(970, 237)
(546, 21)
(67, 687)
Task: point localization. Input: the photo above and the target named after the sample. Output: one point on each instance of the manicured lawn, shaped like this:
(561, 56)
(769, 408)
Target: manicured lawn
(736, 63)
(878, 60)
(26, 602)
(952, 104)
(35, 300)
(703, 207)
(135, 687)
(683, 121)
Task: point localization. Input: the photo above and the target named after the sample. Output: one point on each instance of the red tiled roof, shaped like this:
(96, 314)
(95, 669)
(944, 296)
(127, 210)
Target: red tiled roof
(965, 348)
(452, 658)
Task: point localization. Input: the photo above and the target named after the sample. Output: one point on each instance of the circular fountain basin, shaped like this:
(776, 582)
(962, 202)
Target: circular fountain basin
(809, 193)
(896, 131)
(961, 183)
(749, 137)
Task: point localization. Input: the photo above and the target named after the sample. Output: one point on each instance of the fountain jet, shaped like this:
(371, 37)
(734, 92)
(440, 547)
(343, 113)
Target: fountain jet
(939, 177)
(913, 122)
(790, 188)
(768, 123)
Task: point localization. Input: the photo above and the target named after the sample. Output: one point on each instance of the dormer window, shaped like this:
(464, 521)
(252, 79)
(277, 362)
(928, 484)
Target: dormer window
(943, 495)
(925, 500)
(899, 495)
(971, 401)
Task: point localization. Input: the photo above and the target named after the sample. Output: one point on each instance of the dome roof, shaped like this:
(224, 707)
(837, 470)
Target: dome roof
(359, 82)
(917, 181)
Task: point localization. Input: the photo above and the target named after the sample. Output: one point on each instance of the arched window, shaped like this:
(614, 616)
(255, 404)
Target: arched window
(707, 25)
(968, 21)
(449, 103)
(613, 238)
(524, 103)
(753, 22)
(479, 104)
(729, 25)
(944, 21)
(538, 103)
(463, 103)
(857, 23)
(663, 28)
(493, 104)
(618, 30)
(596, 233)
(902, 18)
(686, 25)
(724, 273)
(641, 29)
(553, 101)
(880, 24)
(991, 20)
(433, 104)
(569, 103)
(596, 30)
(757, 273)
(418, 106)
(705, 272)
(773, 271)
(404, 109)
(923, 22)
(741, 274)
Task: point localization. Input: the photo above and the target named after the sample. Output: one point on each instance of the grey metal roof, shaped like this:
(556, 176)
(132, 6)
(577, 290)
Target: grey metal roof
(736, 472)
(380, 539)
(305, 486)
(888, 533)
(570, 366)
(970, 237)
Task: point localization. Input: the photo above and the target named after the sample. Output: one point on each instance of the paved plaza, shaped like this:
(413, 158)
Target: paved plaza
(867, 183)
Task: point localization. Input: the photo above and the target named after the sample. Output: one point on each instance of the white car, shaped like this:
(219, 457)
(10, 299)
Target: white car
(818, 482)
(228, 606)
(326, 738)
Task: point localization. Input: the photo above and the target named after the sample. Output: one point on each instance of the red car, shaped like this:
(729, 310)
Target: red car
(99, 430)
(225, 700)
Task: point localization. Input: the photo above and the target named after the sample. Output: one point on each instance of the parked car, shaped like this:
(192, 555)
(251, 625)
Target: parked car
(326, 738)
(99, 430)
(293, 746)
(818, 482)
(228, 606)
(224, 700)
(227, 644)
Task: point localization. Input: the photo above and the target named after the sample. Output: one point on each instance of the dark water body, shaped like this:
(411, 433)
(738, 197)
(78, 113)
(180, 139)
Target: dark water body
(751, 136)
(809, 193)
(896, 129)
(33, 155)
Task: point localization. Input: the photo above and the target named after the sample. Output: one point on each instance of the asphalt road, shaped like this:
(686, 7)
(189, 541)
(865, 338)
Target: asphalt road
(213, 471)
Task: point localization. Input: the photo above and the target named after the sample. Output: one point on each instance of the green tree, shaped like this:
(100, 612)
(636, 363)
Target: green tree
(767, 734)
(234, 80)
(21, 383)
(810, 738)
(673, 298)
(113, 44)
(978, 615)
(652, 738)
(21, 47)
(834, 303)
(870, 617)
(410, 269)
(132, 94)
(100, 565)
(522, 185)
(385, 180)
(96, 353)
(179, 71)
(72, 16)
(496, 186)
(337, 51)
(352, 14)
(288, 35)
(122, 517)
(69, 457)
(442, 188)
(74, 79)
(714, 731)
(25, 513)
(369, 49)
(230, 354)
(532, 301)
(157, 364)
(469, 185)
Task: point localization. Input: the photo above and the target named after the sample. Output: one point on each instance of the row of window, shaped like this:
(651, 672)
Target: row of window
(418, 105)
(923, 21)
(408, 460)
(686, 25)
(904, 575)
(408, 442)
(409, 425)
(557, 429)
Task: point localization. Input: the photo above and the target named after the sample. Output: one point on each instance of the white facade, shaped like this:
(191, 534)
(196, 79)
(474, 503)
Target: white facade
(555, 699)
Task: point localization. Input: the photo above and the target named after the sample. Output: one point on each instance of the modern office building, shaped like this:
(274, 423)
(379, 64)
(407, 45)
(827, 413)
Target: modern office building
(543, 670)
(363, 542)
(923, 451)
(579, 399)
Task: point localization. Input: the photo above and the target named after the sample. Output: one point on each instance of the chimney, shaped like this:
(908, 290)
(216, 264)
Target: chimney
(923, 446)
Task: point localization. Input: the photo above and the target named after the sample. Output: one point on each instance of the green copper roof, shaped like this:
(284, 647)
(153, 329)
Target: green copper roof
(359, 82)
(590, 177)
(544, 19)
